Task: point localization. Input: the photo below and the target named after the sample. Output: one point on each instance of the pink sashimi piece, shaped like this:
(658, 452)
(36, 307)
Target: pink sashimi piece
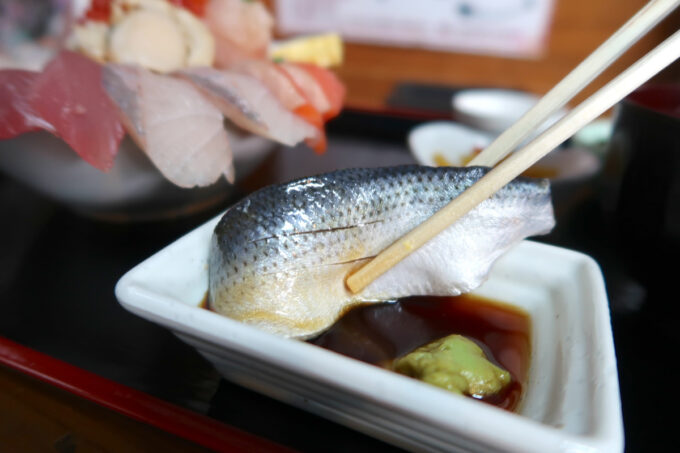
(286, 91)
(225, 91)
(278, 83)
(308, 86)
(121, 83)
(17, 116)
(332, 87)
(241, 30)
(182, 132)
(69, 95)
(248, 103)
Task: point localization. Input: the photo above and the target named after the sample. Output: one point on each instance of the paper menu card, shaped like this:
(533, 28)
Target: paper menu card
(509, 28)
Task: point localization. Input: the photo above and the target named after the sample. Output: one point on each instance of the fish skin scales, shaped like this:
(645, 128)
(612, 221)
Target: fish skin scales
(279, 258)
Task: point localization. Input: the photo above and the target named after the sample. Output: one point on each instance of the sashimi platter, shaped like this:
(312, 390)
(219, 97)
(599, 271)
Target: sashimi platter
(477, 341)
(168, 74)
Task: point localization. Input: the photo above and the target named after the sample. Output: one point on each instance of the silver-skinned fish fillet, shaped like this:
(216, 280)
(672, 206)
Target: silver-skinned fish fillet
(279, 258)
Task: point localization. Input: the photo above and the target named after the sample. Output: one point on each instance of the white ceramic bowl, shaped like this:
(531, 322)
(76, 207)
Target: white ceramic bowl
(450, 141)
(132, 190)
(495, 110)
(455, 142)
(571, 403)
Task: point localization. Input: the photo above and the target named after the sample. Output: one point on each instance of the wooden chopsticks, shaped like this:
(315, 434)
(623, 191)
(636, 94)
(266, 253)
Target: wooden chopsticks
(629, 33)
(506, 171)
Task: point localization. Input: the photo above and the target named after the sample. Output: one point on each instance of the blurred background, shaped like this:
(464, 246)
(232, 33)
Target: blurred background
(564, 33)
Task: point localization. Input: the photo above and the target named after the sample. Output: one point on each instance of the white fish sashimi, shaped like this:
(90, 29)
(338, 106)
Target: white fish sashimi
(185, 136)
(121, 83)
(248, 103)
(274, 79)
(182, 132)
(226, 92)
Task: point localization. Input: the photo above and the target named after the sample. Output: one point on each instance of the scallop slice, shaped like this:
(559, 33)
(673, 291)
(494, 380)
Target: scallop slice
(149, 38)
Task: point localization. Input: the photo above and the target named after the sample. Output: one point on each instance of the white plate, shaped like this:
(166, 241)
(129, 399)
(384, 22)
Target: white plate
(572, 398)
(451, 141)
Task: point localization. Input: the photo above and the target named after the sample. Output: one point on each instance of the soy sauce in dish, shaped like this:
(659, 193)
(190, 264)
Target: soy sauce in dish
(379, 333)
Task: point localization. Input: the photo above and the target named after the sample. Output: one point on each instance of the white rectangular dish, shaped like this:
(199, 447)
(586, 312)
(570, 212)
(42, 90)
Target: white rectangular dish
(571, 403)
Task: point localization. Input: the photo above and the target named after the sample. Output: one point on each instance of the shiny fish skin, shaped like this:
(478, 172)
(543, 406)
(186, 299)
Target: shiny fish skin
(279, 258)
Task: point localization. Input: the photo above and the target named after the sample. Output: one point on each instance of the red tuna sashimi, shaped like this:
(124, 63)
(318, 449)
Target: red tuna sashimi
(69, 95)
(17, 116)
(181, 131)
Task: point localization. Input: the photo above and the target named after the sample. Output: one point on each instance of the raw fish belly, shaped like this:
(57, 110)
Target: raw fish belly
(248, 103)
(181, 131)
(282, 87)
(279, 258)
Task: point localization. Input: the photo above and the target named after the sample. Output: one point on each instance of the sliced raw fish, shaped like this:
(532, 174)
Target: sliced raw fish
(330, 85)
(197, 7)
(247, 102)
(279, 258)
(181, 131)
(242, 30)
(69, 95)
(282, 87)
(278, 83)
(17, 116)
(121, 83)
(316, 97)
(226, 91)
(308, 86)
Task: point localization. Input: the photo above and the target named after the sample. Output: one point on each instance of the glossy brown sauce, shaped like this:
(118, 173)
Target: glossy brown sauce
(378, 334)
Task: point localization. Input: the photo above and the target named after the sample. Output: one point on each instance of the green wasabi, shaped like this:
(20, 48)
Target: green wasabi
(454, 363)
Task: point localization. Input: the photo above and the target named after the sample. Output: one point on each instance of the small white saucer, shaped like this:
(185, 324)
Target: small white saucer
(495, 110)
(440, 143)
